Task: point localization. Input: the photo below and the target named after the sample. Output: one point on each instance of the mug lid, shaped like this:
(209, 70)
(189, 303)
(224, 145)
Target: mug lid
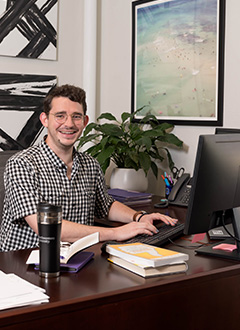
(46, 207)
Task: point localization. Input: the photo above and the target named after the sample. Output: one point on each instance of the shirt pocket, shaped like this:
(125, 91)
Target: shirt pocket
(54, 198)
(83, 206)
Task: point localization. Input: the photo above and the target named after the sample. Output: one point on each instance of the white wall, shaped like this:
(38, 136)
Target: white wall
(114, 64)
(116, 78)
(68, 67)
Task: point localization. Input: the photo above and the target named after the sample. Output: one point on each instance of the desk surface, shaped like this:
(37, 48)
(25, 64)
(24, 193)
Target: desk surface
(102, 293)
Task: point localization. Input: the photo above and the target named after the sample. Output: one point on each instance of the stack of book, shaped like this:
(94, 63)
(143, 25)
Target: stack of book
(129, 197)
(147, 260)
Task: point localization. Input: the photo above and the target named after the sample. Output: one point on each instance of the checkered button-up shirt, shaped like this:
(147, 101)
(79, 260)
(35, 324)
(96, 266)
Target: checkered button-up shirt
(38, 174)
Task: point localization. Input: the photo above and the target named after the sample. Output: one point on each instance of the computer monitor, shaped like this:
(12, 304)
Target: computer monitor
(224, 130)
(215, 189)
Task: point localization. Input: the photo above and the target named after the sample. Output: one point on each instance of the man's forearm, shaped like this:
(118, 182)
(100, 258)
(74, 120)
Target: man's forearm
(120, 212)
(72, 231)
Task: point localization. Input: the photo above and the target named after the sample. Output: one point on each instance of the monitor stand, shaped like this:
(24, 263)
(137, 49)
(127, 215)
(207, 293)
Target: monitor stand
(233, 255)
(208, 250)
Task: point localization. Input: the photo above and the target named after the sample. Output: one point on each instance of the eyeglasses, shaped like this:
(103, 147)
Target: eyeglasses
(61, 118)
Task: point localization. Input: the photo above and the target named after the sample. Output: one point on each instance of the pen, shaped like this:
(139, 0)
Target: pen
(167, 182)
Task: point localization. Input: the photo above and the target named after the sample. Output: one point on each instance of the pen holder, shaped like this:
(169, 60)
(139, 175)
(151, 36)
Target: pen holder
(168, 190)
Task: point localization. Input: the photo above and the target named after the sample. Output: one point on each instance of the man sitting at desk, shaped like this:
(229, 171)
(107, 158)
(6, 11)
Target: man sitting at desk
(55, 172)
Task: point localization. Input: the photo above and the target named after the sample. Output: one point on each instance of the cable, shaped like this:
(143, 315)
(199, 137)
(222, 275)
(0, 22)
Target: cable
(190, 247)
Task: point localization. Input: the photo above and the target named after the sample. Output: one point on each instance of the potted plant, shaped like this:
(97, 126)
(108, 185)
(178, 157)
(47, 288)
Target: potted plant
(130, 144)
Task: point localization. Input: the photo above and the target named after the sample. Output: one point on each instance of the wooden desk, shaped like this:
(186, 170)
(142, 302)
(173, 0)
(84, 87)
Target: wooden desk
(102, 295)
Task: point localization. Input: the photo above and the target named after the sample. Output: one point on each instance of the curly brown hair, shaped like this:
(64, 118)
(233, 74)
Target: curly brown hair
(73, 93)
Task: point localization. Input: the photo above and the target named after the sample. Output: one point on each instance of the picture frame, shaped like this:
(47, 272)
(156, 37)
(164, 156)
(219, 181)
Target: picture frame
(178, 61)
(21, 103)
(28, 29)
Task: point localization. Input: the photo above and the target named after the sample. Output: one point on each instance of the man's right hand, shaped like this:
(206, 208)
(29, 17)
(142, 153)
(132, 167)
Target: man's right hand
(132, 229)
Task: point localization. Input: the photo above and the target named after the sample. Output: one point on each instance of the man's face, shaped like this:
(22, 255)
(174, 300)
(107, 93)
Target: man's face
(63, 134)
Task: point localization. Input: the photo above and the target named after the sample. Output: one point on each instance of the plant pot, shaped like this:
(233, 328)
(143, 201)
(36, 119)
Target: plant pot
(129, 179)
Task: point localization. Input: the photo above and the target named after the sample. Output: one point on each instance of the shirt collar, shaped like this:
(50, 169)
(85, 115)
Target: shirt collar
(48, 152)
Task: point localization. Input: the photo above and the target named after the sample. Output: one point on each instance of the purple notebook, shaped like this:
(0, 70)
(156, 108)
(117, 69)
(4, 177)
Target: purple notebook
(75, 263)
(127, 195)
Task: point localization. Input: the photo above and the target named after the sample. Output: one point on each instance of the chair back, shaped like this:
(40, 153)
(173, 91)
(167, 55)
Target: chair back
(4, 155)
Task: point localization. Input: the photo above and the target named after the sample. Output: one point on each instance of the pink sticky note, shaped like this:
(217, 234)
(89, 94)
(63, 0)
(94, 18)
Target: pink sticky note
(198, 237)
(225, 247)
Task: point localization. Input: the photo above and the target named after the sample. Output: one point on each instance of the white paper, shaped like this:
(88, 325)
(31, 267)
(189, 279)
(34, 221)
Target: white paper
(33, 258)
(16, 292)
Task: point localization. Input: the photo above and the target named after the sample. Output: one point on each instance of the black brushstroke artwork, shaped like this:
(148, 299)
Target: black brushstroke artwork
(20, 92)
(32, 23)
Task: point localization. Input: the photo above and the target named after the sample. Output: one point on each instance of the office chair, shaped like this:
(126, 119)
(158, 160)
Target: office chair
(4, 155)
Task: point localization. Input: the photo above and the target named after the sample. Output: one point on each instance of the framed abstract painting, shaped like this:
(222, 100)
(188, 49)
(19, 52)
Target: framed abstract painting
(28, 28)
(21, 102)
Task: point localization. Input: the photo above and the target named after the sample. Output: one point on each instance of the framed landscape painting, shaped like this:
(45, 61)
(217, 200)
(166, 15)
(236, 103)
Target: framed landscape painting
(178, 60)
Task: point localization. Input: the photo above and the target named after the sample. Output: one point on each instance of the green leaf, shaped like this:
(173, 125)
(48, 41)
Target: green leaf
(170, 161)
(133, 156)
(110, 129)
(107, 116)
(88, 138)
(172, 139)
(125, 116)
(145, 142)
(165, 126)
(94, 150)
(105, 165)
(115, 140)
(151, 119)
(130, 143)
(135, 132)
(130, 163)
(154, 132)
(103, 142)
(154, 154)
(145, 161)
(105, 154)
(89, 128)
(154, 169)
(138, 110)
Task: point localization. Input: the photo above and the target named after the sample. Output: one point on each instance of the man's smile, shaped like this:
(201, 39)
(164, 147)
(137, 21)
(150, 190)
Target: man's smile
(67, 132)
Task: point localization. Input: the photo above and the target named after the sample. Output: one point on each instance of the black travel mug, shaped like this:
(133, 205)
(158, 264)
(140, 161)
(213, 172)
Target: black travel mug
(49, 219)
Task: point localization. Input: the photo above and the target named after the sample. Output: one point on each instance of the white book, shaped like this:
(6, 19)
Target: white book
(146, 255)
(67, 250)
(146, 271)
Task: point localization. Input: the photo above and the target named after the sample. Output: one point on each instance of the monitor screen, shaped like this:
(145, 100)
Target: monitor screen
(215, 188)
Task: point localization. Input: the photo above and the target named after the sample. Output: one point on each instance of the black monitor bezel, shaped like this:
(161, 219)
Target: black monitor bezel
(224, 130)
(208, 224)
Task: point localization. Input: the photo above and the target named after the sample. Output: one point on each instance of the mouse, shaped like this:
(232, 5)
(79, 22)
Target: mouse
(163, 203)
(103, 247)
